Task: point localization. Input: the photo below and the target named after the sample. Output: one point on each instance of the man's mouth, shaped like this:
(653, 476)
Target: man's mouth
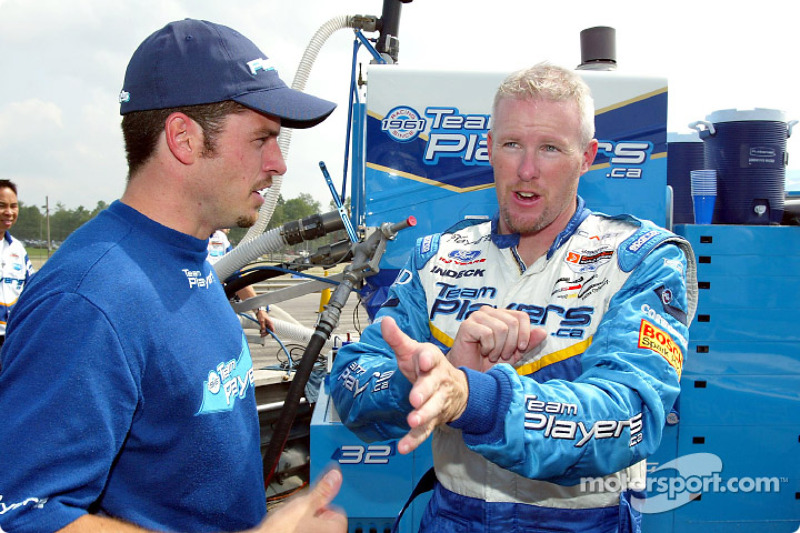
(264, 187)
(263, 190)
(523, 195)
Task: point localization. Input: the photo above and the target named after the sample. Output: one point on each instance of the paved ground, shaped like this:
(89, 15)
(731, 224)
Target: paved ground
(273, 381)
(305, 310)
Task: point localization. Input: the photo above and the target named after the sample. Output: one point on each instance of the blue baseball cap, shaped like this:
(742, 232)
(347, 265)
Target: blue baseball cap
(192, 62)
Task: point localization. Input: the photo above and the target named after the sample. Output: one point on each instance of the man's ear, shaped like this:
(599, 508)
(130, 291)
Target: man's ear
(184, 138)
(588, 156)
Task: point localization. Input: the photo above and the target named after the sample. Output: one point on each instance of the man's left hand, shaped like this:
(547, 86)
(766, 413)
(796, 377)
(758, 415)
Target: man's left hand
(264, 322)
(490, 335)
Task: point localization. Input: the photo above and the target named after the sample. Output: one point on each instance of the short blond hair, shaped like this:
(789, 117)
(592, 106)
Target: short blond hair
(546, 81)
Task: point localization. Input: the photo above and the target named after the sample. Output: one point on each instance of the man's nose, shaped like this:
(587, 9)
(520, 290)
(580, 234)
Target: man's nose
(274, 162)
(528, 166)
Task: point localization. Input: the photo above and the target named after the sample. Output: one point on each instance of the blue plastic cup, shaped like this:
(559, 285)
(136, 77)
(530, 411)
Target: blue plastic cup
(704, 208)
(703, 182)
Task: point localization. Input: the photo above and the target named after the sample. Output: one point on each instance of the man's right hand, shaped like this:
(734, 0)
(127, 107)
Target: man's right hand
(439, 392)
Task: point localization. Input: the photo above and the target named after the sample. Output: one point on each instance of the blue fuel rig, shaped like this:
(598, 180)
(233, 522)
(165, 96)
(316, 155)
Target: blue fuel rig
(730, 455)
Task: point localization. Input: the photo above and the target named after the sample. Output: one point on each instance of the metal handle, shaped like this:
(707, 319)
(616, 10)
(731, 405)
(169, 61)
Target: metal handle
(789, 128)
(710, 130)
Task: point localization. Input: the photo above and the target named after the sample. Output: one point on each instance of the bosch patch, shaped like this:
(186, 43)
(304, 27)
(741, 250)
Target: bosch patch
(655, 339)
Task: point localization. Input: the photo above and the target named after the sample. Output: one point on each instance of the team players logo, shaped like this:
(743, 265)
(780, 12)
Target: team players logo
(228, 381)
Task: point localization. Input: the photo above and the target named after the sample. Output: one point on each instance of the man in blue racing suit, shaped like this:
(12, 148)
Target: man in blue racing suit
(542, 349)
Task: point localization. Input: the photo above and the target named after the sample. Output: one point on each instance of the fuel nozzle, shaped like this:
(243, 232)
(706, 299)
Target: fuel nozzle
(311, 227)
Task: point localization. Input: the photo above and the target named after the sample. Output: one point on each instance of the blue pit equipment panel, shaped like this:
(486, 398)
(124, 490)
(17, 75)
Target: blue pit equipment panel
(729, 457)
(377, 479)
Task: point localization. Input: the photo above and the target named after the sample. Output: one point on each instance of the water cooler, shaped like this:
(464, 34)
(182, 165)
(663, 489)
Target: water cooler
(747, 148)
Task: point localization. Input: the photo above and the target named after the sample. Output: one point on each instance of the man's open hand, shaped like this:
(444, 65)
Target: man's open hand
(439, 392)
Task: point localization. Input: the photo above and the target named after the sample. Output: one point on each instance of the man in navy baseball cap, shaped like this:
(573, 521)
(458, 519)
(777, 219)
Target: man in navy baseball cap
(141, 344)
(191, 62)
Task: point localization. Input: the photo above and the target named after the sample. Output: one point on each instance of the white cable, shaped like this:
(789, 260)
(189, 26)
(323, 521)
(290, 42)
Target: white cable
(284, 140)
(287, 329)
(295, 332)
(247, 252)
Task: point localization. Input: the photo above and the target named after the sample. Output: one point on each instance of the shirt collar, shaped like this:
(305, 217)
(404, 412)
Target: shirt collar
(512, 239)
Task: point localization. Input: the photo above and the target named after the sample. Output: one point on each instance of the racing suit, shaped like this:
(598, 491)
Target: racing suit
(615, 295)
(16, 269)
(218, 246)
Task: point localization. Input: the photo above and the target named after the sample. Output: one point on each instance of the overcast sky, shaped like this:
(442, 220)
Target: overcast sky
(62, 63)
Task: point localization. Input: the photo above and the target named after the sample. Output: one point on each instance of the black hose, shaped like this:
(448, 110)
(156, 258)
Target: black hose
(364, 252)
(311, 227)
(286, 419)
(329, 254)
(389, 26)
(328, 321)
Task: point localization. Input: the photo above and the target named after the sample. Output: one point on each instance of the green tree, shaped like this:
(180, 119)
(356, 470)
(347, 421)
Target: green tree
(64, 221)
(301, 207)
(279, 214)
(100, 206)
(30, 224)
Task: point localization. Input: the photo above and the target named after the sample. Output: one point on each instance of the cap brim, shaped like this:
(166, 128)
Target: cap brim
(296, 109)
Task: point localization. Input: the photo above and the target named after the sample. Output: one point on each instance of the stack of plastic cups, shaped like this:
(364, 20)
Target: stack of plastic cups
(704, 195)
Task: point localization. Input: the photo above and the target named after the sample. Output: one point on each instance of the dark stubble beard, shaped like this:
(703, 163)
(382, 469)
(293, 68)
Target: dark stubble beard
(246, 221)
(528, 227)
